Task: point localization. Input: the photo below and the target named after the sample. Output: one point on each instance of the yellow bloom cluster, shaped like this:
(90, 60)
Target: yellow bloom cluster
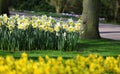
(43, 23)
(92, 64)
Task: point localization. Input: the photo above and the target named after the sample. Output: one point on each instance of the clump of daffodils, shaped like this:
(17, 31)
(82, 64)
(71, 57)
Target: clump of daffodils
(30, 33)
(43, 23)
(91, 64)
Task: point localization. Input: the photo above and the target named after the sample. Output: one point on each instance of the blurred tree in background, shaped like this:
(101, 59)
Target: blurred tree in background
(31, 5)
(117, 11)
(58, 4)
(4, 7)
(74, 6)
(69, 6)
(110, 9)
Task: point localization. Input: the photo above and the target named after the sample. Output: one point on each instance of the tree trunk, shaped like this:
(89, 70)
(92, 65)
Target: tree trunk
(117, 12)
(58, 4)
(4, 7)
(90, 17)
(118, 18)
(58, 9)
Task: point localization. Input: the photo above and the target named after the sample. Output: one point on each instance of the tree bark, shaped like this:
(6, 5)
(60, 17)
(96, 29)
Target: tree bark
(90, 17)
(58, 4)
(117, 12)
(116, 7)
(58, 9)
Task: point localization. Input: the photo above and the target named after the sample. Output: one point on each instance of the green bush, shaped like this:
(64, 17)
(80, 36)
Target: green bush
(32, 5)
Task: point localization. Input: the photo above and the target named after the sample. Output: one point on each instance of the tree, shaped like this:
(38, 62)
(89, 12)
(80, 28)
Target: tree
(58, 4)
(111, 10)
(117, 11)
(4, 7)
(74, 6)
(90, 17)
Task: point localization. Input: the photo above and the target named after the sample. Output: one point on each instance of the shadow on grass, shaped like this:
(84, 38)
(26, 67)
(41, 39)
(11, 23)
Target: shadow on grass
(101, 45)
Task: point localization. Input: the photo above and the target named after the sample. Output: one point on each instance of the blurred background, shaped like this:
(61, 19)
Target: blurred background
(110, 9)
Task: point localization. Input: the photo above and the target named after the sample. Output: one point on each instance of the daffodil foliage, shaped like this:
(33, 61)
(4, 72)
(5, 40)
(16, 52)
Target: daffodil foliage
(92, 64)
(36, 33)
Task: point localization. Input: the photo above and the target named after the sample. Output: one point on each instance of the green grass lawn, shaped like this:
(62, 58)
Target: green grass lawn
(102, 47)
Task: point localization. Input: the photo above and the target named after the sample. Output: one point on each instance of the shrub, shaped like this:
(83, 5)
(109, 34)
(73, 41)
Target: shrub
(31, 5)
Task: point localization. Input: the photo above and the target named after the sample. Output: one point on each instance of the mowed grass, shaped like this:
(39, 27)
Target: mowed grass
(103, 47)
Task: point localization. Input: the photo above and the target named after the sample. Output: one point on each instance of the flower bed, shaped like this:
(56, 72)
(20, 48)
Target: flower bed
(33, 33)
(92, 64)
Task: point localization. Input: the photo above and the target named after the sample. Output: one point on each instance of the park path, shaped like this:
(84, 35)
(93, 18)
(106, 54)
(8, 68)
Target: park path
(109, 31)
